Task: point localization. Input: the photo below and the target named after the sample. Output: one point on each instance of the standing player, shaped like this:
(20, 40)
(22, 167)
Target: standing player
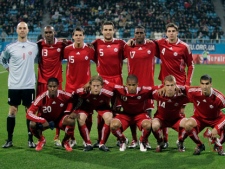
(50, 107)
(133, 99)
(97, 99)
(18, 58)
(109, 59)
(208, 103)
(78, 72)
(50, 63)
(175, 57)
(168, 113)
(141, 62)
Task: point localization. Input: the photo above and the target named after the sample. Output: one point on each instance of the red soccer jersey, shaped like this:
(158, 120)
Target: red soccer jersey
(175, 58)
(168, 108)
(78, 66)
(95, 102)
(109, 57)
(49, 109)
(141, 62)
(50, 60)
(133, 104)
(206, 107)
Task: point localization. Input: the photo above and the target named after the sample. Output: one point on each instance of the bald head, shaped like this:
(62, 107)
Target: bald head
(22, 31)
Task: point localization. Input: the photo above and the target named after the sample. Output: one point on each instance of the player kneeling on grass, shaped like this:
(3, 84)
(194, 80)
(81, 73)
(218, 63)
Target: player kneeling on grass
(50, 106)
(133, 100)
(168, 113)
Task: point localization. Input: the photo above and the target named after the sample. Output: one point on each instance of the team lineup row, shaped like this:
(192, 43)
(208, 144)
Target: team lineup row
(108, 54)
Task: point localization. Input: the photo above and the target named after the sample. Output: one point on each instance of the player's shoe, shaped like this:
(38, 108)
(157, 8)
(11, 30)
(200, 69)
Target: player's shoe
(7, 144)
(72, 143)
(180, 146)
(165, 146)
(143, 147)
(148, 146)
(221, 152)
(123, 145)
(66, 145)
(159, 147)
(199, 149)
(96, 145)
(102, 147)
(88, 147)
(216, 147)
(41, 142)
(31, 144)
(57, 142)
(133, 144)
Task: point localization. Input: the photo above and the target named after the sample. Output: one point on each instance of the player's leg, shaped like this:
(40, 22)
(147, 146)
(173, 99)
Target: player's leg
(145, 126)
(182, 134)
(157, 132)
(107, 117)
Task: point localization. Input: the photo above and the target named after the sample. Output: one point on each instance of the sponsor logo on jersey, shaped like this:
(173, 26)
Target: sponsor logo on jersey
(30, 53)
(149, 52)
(140, 48)
(78, 53)
(53, 102)
(139, 97)
(108, 46)
(61, 105)
(86, 57)
(115, 49)
(58, 50)
(175, 54)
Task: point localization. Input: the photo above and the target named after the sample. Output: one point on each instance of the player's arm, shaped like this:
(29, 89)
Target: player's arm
(4, 59)
(31, 115)
(190, 65)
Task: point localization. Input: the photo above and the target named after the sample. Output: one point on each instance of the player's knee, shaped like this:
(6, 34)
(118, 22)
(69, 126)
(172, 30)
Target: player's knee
(32, 125)
(155, 126)
(189, 125)
(115, 124)
(146, 124)
(108, 118)
(13, 110)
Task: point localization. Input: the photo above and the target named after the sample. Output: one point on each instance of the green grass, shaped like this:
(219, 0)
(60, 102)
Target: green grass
(20, 156)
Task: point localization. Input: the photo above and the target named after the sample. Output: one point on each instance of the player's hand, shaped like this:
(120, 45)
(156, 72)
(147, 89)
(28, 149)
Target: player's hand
(131, 42)
(90, 45)
(87, 87)
(149, 41)
(162, 91)
(51, 125)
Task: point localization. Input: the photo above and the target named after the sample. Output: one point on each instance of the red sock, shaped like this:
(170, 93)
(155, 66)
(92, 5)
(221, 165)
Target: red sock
(69, 131)
(57, 133)
(85, 134)
(193, 134)
(118, 133)
(144, 135)
(182, 134)
(165, 134)
(158, 135)
(105, 134)
(100, 125)
(133, 129)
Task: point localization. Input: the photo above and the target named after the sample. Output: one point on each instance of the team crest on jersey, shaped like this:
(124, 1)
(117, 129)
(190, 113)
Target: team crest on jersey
(78, 53)
(86, 58)
(58, 50)
(115, 49)
(169, 100)
(61, 105)
(175, 53)
(149, 52)
(176, 104)
(139, 97)
(211, 106)
(30, 53)
(124, 98)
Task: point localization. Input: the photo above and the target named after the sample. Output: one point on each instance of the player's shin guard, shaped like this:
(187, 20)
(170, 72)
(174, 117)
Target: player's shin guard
(133, 129)
(158, 135)
(11, 122)
(165, 134)
(105, 134)
(117, 133)
(193, 134)
(182, 134)
(84, 132)
(144, 135)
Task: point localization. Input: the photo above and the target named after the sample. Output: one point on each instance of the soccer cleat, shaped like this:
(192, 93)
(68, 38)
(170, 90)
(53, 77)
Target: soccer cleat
(221, 152)
(123, 146)
(72, 143)
(7, 144)
(96, 145)
(66, 145)
(57, 142)
(159, 147)
(143, 147)
(165, 146)
(180, 146)
(148, 146)
(88, 147)
(102, 147)
(41, 142)
(133, 144)
(31, 144)
(199, 149)
(216, 147)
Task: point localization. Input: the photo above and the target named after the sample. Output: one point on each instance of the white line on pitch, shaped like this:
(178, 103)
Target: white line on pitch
(3, 72)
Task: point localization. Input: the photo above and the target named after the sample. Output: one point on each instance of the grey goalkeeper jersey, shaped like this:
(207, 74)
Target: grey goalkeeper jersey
(19, 58)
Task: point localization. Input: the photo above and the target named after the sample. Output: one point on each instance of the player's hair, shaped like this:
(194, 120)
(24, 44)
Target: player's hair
(49, 27)
(169, 78)
(132, 77)
(53, 79)
(173, 25)
(139, 27)
(78, 29)
(206, 77)
(96, 78)
(107, 23)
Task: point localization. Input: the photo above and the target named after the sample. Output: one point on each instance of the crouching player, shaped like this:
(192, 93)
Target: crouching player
(133, 100)
(168, 113)
(50, 106)
(98, 99)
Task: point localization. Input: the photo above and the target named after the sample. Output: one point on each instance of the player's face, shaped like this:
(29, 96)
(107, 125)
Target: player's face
(22, 30)
(52, 89)
(96, 87)
(139, 36)
(206, 87)
(170, 88)
(49, 35)
(132, 86)
(78, 37)
(108, 32)
(172, 34)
